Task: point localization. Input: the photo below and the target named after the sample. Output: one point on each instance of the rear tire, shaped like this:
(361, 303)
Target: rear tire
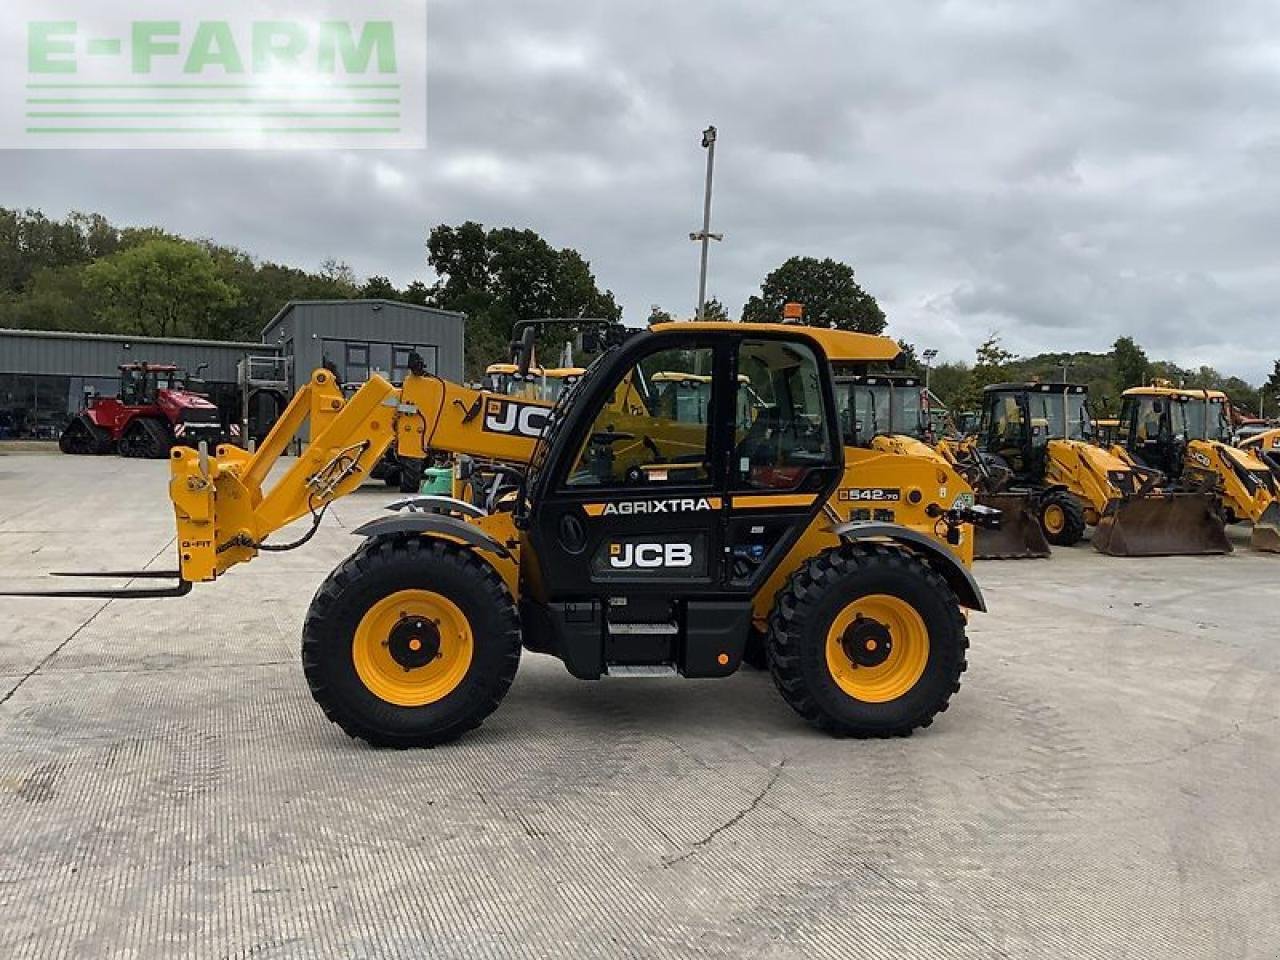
(426, 704)
(921, 668)
(410, 476)
(1062, 518)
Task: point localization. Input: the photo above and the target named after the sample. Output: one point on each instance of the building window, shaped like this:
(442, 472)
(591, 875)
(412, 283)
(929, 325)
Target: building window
(357, 365)
(400, 360)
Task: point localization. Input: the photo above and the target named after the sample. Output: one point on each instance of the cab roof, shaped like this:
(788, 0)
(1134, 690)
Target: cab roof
(879, 379)
(1181, 393)
(840, 346)
(1034, 387)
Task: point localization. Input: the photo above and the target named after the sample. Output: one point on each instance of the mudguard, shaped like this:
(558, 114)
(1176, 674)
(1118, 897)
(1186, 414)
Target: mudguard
(427, 524)
(937, 556)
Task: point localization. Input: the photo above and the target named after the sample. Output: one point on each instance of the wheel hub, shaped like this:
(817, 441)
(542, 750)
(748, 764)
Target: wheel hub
(414, 642)
(867, 642)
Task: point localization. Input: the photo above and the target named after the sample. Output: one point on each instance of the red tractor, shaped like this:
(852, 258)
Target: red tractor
(153, 411)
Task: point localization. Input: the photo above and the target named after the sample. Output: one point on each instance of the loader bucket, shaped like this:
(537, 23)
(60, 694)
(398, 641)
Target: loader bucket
(1266, 532)
(1161, 525)
(1019, 536)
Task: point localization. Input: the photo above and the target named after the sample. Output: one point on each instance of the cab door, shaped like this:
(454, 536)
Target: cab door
(631, 513)
(785, 458)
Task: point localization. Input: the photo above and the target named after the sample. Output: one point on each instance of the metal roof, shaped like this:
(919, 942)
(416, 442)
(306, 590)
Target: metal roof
(125, 338)
(288, 308)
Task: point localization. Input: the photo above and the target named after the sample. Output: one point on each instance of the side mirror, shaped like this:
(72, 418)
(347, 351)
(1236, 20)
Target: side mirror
(523, 350)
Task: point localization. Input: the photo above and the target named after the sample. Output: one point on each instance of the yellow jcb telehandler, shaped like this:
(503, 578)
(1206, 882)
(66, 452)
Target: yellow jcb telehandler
(884, 412)
(1036, 436)
(1185, 434)
(637, 545)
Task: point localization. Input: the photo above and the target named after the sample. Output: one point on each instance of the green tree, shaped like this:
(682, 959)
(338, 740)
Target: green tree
(379, 288)
(502, 275)
(1271, 388)
(714, 310)
(161, 288)
(828, 290)
(658, 315)
(991, 365)
(417, 292)
(950, 382)
(1132, 368)
(908, 360)
(340, 275)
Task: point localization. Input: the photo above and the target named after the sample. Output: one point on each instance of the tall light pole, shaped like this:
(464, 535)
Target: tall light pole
(1066, 365)
(705, 235)
(929, 356)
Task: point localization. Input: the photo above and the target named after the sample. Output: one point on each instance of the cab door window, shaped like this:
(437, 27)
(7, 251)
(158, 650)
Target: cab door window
(789, 433)
(654, 428)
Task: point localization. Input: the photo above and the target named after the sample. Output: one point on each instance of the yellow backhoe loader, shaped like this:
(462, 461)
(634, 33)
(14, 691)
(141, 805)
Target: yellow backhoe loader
(637, 544)
(1037, 436)
(884, 412)
(1266, 447)
(1185, 434)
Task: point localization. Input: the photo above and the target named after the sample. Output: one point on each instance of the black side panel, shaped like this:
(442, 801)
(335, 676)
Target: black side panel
(579, 628)
(715, 628)
(942, 560)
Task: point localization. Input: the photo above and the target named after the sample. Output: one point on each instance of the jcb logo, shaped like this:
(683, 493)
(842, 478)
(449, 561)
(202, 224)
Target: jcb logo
(1201, 459)
(515, 419)
(648, 556)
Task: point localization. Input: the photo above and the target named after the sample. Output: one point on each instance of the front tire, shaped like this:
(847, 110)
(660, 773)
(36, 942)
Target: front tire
(411, 642)
(1062, 518)
(867, 641)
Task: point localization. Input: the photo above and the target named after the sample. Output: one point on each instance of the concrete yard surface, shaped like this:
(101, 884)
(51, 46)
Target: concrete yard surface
(1104, 785)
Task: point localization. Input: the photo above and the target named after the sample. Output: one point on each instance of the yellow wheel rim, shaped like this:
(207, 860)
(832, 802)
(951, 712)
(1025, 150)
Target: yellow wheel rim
(877, 648)
(412, 648)
(1055, 518)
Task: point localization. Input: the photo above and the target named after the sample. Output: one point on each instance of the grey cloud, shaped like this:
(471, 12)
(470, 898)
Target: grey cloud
(1065, 172)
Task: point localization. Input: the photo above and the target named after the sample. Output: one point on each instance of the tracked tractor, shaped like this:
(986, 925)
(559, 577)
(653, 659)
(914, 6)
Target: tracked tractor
(1185, 434)
(1037, 437)
(153, 410)
(637, 545)
(885, 412)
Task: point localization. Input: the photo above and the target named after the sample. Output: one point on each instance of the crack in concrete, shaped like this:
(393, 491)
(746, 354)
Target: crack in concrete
(731, 822)
(75, 633)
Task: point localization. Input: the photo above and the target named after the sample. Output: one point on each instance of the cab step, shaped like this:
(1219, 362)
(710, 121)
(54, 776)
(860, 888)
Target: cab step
(665, 629)
(634, 670)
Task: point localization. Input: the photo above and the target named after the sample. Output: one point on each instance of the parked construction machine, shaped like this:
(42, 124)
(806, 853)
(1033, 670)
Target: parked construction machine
(885, 412)
(1185, 433)
(637, 544)
(153, 410)
(1036, 437)
(1266, 447)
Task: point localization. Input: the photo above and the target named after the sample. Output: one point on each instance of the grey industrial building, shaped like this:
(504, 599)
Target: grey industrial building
(363, 336)
(45, 376)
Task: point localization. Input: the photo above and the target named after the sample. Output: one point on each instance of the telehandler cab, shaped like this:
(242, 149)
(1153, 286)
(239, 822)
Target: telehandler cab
(1185, 434)
(886, 413)
(1038, 436)
(638, 544)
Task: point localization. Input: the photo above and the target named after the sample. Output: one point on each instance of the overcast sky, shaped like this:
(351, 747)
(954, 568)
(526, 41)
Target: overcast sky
(1062, 172)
